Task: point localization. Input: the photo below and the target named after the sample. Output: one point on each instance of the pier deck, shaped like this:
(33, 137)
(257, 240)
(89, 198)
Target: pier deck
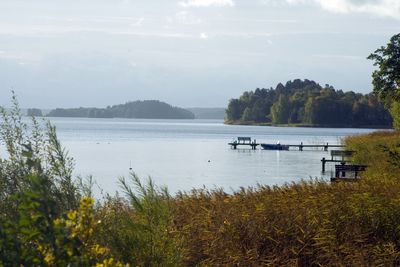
(338, 156)
(247, 141)
(244, 141)
(326, 146)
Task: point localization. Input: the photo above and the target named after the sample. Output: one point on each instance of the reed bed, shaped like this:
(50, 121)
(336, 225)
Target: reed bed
(311, 223)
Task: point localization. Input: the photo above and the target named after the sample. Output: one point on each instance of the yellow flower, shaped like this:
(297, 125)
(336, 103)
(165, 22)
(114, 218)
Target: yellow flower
(49, 258)
(72, 215)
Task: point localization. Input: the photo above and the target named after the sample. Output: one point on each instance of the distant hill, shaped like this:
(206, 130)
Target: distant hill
(147, 109)
(208, 113)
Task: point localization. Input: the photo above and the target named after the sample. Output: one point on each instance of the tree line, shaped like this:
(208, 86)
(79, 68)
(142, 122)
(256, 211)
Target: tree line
(147, 109)
(308, 103)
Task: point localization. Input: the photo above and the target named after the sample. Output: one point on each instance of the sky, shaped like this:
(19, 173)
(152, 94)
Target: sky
(188, 53)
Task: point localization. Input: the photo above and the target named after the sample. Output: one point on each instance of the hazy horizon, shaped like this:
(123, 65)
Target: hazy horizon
(188, 53)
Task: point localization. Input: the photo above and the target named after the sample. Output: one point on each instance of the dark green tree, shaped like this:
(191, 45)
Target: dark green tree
(280, 110)
(247, 115)
(386, 79)
(234, 111)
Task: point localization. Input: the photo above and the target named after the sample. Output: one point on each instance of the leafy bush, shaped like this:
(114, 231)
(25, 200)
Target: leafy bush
(39, 236)
(17, 136)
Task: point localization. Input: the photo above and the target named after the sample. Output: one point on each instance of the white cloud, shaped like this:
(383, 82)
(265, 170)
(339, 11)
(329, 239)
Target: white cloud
(21, 57)
(138, 23)
(207, 3)
(184, 17)
(384, 8)
(204, 35)
(340, 57)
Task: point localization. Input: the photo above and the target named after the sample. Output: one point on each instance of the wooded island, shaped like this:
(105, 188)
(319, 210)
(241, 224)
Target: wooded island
(147, 109)
(306, 103)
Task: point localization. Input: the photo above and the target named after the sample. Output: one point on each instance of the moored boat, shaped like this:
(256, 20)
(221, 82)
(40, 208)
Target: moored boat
(275, 147)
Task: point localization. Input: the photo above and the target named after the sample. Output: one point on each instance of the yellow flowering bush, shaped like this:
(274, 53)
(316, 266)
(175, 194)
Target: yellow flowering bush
(81, 225)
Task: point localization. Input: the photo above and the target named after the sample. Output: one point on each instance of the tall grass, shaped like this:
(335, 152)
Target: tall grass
(380, 151)
(301, 224)
(138, 228)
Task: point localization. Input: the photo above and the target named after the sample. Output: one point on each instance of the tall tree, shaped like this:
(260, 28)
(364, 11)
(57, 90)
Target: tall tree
(280, 110)
(234, 111)
(386, 79)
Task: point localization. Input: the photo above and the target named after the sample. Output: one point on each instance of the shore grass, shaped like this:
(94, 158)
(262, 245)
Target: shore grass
(302, 224)
(310, 223)
(380, 151)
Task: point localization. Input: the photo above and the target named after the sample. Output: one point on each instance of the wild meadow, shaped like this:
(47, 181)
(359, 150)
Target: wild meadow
(49, 218)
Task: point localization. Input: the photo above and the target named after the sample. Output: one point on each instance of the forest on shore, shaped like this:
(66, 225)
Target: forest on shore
(147, 109)
(305, 102)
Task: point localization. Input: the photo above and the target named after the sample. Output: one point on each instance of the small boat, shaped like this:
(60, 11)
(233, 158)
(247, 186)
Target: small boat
(275, 147)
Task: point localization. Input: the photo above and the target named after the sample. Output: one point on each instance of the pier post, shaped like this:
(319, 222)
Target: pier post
(323, 160)
(301, 146)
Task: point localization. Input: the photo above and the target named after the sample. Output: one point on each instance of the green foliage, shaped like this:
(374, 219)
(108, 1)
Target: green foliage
(147, 109)
(306, 102)
(44, 147)
(280, 110)
(386, 79)
(41, 235)
(395, 111)
(380, 151)
(235, 110)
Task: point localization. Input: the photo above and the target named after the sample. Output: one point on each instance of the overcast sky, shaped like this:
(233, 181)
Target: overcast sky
(70, 53)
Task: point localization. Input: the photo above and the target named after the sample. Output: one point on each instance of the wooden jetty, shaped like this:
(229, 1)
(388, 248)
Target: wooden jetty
(324, 146)
(338, 156)
(348, 173)
(244, 141)
(247, 141)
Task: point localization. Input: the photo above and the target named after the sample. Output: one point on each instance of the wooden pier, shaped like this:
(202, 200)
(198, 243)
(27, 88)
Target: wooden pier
(244, 141)
(348, 173)
(324, 146)
(343, 171)
(247, 141)
(338, 156)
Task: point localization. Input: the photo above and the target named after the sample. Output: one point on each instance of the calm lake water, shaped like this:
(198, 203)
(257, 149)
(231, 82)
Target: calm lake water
(186, 154)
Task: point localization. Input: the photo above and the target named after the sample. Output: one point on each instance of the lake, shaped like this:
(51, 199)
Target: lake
(186, 154)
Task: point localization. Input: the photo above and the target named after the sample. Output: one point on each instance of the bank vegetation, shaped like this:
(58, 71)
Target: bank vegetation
(50, 218)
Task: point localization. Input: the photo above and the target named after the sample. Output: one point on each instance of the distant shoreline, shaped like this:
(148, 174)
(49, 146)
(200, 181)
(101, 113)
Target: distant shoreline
(252, 123)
